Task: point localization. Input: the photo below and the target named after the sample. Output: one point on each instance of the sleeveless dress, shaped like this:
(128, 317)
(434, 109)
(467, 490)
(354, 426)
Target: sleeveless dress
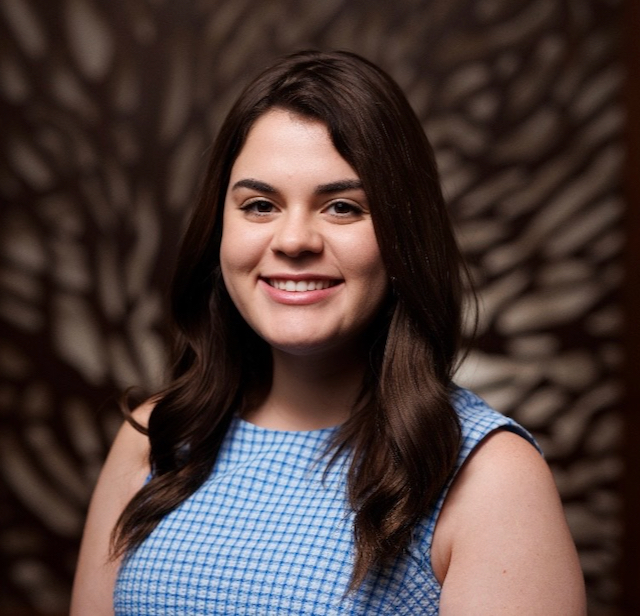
(270, 533)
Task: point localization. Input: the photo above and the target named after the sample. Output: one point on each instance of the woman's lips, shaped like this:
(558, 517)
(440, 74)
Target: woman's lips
(300, 286)
(301, 291)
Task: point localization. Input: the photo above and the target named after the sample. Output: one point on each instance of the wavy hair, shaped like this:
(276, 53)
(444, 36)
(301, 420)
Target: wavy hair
(403, 438)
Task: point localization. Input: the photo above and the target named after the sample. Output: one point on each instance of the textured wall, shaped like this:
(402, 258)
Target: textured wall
(107, 111)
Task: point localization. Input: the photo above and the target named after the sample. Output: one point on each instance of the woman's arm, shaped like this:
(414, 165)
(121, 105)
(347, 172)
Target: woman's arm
(502, 545)
(123, 474)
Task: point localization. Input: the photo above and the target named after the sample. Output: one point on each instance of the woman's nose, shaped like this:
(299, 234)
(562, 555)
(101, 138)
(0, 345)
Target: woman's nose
(296, 233)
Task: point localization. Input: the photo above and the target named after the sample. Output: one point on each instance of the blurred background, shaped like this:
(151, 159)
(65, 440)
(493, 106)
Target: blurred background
(108, 108)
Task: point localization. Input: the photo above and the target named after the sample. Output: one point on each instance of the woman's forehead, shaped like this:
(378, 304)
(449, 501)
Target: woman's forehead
(285, 145)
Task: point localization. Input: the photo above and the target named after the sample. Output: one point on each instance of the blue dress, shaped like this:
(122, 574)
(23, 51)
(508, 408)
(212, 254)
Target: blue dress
(270, 533)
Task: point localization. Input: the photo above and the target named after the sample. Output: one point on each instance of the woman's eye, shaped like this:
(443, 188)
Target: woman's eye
(344, 208)
(259, 206)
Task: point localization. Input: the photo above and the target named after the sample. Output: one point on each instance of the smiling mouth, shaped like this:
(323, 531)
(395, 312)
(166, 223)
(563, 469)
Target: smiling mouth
(301, 285)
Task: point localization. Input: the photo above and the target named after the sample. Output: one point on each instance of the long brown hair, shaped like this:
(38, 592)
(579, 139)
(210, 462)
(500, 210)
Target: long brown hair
(404, 438)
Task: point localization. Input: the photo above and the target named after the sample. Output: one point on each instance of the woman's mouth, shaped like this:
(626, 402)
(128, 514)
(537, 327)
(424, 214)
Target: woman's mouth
(300, 286)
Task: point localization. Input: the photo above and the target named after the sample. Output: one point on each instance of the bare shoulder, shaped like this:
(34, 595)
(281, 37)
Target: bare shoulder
(130, 441)
(502, 544)
(127, 463)
(500, 462)
(504, 472)
(123, 474)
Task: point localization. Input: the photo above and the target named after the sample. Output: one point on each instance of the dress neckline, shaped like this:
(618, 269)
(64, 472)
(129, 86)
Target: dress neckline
(250, 427)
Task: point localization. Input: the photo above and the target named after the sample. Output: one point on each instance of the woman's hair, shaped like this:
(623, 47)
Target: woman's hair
(403, 436)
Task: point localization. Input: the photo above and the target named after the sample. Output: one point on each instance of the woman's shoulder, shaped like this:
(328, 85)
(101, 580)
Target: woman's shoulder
(127, 465)
(502, 543)
(123, 474)
(129, 452)
(478, 420)
(503, 528)
(495, 453)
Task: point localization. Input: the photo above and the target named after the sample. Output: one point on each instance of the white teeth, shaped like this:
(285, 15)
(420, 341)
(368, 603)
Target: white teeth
(300, 285)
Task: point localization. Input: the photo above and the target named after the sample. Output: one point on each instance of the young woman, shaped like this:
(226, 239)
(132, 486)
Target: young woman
(311, 454)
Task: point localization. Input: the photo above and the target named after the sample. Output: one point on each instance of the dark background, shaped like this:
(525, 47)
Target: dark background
(107, 111)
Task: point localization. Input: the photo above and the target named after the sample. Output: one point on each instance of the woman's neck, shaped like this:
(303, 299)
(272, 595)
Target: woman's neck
(309, 393)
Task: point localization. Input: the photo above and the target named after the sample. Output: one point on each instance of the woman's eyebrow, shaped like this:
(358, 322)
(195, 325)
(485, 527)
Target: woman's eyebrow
(254, 185)
(322, 189)
(338, 186)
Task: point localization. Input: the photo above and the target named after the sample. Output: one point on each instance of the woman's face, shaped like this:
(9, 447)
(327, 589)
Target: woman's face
(299, 254)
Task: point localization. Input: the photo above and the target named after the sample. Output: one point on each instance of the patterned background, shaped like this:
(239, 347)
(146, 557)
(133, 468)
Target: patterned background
(108, 108)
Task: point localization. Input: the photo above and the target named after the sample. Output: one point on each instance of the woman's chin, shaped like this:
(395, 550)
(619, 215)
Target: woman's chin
(309, 346)
(301, 348)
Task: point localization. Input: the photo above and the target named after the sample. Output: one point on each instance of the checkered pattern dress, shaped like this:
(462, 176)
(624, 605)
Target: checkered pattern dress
(269, 533)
